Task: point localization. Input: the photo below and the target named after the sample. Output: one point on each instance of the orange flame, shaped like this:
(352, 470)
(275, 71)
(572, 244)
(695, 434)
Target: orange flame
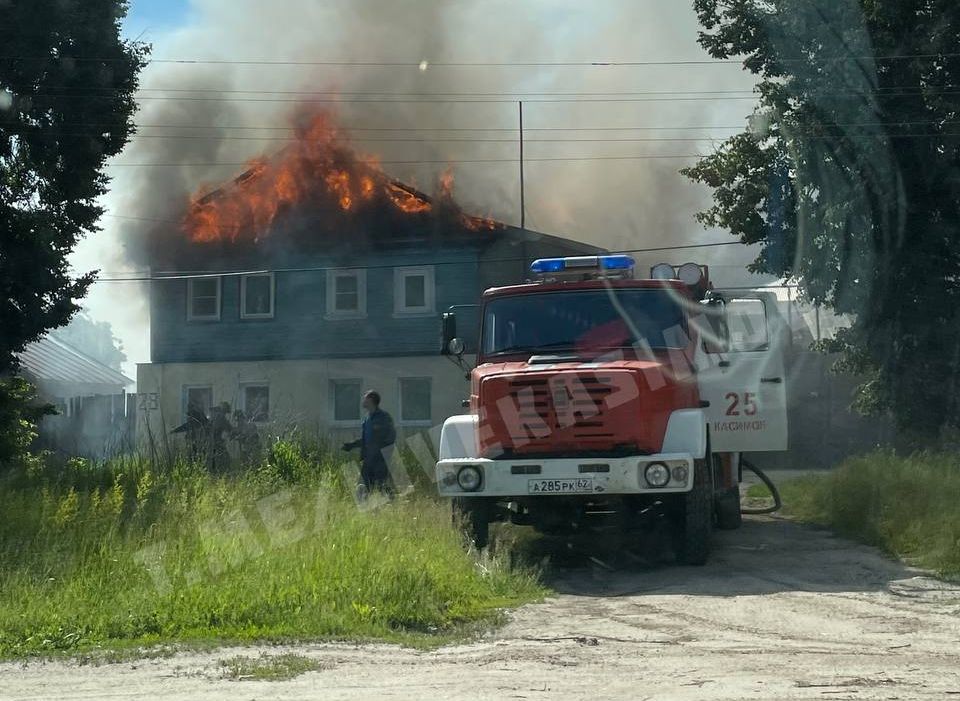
(316, 165)
(446, 184)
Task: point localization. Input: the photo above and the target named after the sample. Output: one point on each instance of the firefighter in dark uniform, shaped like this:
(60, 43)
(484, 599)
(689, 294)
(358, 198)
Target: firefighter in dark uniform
(195, 428)
(377, 434)
(220, 429)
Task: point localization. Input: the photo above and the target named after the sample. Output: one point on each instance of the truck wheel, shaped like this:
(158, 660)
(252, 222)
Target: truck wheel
(694, 518)
(474, 516)
(729, 517)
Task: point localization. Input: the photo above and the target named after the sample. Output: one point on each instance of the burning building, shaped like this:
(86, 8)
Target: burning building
(312, 276)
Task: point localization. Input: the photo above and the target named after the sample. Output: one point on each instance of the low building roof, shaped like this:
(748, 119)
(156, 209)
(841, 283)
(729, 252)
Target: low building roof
(51, 360)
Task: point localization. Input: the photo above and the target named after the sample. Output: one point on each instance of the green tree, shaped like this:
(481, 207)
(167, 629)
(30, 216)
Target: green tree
(67, 83)
(848, 174)
(93, 338)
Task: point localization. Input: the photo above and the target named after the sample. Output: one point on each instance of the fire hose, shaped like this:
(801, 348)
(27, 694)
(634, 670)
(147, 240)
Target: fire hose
(777, 502)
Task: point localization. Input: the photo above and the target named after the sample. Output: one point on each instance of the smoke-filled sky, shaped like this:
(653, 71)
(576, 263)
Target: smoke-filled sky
(593, 115)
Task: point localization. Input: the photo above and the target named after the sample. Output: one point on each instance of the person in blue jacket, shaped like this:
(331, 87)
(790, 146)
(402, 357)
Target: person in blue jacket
(377, 435)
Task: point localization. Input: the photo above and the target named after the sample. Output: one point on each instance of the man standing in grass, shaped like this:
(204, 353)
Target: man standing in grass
(377, 434)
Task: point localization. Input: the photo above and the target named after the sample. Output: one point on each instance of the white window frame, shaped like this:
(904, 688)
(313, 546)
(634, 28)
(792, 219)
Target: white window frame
(243, 297)
(211, 317)
(243, 399)
(400, 276)
(413, 422)
(353, 423)
(361, 276)
(185, 393)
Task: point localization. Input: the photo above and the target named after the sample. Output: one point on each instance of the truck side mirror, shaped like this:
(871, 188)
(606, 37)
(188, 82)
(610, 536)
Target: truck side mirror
(449, 343)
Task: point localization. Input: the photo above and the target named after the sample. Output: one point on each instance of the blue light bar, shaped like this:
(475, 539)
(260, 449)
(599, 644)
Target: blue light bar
(548, 265)
(542, 266)
(616, 262)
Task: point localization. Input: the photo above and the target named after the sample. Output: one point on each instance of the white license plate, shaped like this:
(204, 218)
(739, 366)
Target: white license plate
(576, 485)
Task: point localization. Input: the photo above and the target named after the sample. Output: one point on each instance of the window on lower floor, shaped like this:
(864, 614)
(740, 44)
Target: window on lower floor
(345, 400)
(256, 296)
(415, 400)
(256, 401)
(203, 299)
(197, 399)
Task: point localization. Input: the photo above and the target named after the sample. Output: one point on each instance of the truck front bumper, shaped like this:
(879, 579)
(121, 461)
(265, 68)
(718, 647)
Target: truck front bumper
(566, 476)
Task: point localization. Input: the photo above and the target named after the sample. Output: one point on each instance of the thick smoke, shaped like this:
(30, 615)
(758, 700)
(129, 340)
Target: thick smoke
(617, 203)
(620, 204)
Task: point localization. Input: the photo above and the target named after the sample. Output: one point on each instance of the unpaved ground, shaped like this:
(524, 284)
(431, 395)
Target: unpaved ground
(781, 612)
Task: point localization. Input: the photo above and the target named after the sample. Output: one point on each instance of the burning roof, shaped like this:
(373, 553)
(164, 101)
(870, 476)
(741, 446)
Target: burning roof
(319, 170)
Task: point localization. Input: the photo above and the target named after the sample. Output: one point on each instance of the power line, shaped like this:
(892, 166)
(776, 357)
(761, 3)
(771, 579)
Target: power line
(273, 127)
(400, 99)
(513, 141)
(193, 274)
(99, 92)
(423, 64)
(448, 161)
(482, 140)
(403, 100)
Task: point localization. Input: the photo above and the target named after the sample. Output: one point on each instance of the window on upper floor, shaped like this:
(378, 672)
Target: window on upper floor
(415, 400)
(345, 400)
(255, 398)
(257, 296)
(414, 290)
(203, 299)
(347, 293)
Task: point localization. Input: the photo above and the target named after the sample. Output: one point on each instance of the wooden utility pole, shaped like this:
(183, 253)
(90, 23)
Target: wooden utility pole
(523, 209)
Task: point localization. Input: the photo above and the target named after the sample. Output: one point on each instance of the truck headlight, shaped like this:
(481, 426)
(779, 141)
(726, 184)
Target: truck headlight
(680, 473)
(470, 478)
(657, 474)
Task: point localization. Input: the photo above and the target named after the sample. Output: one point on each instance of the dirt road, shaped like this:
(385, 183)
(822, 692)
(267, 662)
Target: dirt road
(781, 612)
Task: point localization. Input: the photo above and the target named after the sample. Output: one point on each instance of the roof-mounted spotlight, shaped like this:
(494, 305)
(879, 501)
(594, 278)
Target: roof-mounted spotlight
(663, 271)
(694, 275)
(690, 274)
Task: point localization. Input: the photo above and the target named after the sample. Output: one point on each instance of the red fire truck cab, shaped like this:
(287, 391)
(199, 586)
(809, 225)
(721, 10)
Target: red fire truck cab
(595, 393)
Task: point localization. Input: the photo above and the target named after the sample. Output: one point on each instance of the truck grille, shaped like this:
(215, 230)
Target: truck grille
(576, 403)
(559, 412)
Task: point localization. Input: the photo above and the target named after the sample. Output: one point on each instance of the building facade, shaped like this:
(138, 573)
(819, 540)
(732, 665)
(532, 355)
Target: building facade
(292, 338)
(94, 412)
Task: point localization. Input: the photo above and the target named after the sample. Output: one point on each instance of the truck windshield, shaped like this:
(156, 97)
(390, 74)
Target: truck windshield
(583, 321)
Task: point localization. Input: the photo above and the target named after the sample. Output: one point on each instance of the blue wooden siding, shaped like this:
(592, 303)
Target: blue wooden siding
(300, 327)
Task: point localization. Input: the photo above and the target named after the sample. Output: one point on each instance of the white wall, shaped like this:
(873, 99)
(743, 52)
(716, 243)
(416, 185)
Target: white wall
(299, 389)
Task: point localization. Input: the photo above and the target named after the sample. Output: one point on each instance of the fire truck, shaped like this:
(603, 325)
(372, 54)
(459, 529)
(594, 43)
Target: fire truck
(595, 393)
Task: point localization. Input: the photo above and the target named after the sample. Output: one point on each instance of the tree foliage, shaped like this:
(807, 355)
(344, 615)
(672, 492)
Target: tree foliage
(66, 104)
(93, 338)
(848, 174)
(19, 416)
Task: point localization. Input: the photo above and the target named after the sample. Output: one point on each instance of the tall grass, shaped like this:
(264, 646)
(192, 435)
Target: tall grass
(121, 553)
(907, 505)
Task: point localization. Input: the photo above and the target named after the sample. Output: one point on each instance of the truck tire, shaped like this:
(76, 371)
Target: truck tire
(473, 515)
(729, 517)
(693, 518)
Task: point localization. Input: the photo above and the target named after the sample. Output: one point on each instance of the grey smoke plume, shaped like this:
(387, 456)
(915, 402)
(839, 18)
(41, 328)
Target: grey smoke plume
(616, 203)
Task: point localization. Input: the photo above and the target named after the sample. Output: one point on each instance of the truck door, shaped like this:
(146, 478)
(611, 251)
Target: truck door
(741, 374)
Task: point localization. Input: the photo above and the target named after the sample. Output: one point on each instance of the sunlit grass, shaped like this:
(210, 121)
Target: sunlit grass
(123, 554)
(907, 505)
